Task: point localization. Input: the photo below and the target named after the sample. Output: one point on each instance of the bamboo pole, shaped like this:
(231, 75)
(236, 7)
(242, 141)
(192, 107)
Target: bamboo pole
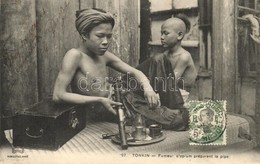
(257, 105)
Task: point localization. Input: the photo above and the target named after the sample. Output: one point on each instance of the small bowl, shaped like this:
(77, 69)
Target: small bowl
(155, 130)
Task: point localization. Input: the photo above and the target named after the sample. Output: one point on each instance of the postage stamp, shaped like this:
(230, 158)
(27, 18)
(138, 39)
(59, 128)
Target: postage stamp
(207, 122)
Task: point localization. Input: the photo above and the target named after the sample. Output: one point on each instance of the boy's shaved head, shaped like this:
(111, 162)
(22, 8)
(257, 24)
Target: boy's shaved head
(173, 31)
(185, 19)
(180, 23)
(177, 24)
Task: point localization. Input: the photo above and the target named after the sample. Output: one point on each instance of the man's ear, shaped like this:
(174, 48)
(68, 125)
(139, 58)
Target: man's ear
(84, 37)
(181, 35)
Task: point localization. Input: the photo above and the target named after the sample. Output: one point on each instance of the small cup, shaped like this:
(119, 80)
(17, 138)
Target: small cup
(155, 130)
(139, 134)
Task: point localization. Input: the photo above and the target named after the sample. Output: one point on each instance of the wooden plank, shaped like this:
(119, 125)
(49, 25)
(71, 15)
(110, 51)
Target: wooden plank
(18, 50)
(238, 77)
(243, 48)
(159, 6)
(139, 29)
(209, 45)
(248, 9)
(125, 33)
(229, 59)
(56, 35)
(217, 49)
(224, 52)
(84, 4)
(1, 131)
(184, 43)
(257, 105)
(187, 4)
(112, 6)
(129, 36)
(202, 47)
(145, 29)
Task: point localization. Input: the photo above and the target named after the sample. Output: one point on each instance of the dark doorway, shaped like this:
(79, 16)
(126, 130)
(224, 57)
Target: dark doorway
(145, 30)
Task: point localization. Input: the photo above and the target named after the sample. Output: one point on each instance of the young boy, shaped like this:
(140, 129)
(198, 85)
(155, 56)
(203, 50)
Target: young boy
(174, 68)
(172, 33)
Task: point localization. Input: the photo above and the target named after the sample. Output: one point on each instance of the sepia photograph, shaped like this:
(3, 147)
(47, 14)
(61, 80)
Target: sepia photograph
(129, 81)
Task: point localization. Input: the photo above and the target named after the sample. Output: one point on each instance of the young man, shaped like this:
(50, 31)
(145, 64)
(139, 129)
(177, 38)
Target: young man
(172, 33)
(84, 68)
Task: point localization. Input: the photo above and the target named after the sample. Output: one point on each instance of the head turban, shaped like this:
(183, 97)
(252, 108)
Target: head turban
(89, 18)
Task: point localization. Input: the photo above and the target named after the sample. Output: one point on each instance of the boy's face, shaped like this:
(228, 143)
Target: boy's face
(99, 38)
(170, 33)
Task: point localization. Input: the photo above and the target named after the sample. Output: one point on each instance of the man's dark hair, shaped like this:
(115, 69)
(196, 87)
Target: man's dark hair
(87, 19)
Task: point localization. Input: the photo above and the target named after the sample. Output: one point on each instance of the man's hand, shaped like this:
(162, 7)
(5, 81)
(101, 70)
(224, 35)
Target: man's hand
(108, 103)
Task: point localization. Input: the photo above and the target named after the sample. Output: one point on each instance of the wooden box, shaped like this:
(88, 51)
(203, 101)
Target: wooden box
(47, 125)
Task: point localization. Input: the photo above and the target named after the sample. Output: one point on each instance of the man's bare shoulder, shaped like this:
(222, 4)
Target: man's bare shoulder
(73, 54)
(71, 59)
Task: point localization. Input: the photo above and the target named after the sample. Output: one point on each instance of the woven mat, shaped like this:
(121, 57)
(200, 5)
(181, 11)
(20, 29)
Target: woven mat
(89, 141)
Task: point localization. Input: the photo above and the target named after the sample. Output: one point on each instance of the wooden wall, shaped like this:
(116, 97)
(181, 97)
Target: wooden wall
(0, 76)
(257, 105)
(56, 34)
(18, 52)
(125, 34)
(37, 33)
(223, 52)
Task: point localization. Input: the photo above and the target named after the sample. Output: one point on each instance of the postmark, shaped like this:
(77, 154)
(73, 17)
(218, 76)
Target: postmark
(207, 122)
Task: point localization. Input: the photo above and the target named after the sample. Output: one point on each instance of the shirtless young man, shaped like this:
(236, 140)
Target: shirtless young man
(89, 62)
(172, 33)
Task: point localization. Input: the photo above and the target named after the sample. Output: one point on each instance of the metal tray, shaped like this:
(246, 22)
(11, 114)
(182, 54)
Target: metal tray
(132, 142)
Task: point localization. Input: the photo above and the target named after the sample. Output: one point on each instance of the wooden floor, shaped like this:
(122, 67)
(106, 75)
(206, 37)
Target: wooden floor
(89, 141)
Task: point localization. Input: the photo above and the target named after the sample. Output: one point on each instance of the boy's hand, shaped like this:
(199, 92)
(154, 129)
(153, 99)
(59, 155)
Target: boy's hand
(108, 103)
(152, 98)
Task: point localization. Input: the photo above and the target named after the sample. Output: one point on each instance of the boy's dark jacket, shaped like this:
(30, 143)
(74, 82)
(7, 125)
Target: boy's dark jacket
(159, 71)
(171, 114)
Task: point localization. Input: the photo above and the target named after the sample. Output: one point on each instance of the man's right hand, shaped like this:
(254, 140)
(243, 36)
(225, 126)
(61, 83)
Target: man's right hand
(108, 103)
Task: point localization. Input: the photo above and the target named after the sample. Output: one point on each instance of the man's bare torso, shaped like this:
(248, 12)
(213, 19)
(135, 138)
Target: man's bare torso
(91, 77)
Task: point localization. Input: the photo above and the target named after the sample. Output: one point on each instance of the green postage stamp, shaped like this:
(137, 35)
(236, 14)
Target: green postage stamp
(207, 122)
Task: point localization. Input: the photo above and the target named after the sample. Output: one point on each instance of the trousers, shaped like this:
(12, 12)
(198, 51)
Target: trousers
(173, 119)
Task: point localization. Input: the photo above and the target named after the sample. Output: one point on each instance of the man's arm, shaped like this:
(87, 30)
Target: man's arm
(69, 66)
(117, 64)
